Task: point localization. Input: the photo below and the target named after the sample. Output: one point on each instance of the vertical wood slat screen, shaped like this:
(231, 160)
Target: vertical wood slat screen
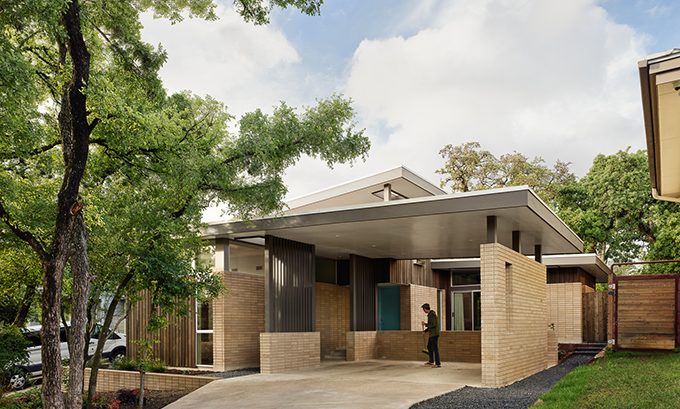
(176, 344)
(407, 272)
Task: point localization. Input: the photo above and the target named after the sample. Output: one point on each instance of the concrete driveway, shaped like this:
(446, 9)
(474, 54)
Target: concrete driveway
(366, 384)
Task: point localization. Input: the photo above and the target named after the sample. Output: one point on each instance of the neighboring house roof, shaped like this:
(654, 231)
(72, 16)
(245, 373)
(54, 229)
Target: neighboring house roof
(589, 262)
(659, 83)
(447, 225)
(366, 190)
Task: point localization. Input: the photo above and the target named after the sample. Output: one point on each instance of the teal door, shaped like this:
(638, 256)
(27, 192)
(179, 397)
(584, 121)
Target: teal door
(388, 308)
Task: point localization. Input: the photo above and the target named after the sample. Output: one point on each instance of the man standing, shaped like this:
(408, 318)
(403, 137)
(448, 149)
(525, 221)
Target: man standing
(432, 326)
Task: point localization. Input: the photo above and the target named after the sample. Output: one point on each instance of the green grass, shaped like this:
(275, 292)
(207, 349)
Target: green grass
(620, 380)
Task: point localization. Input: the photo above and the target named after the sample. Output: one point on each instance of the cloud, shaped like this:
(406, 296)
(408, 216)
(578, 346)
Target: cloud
(243, 65)
(551, 78)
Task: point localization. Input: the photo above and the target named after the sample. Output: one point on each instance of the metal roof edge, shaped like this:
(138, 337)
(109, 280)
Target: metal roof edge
(364, 182)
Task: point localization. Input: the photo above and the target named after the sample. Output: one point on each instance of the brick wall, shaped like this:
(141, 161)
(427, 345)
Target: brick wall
(565, 310)
(238, 320)
(109, 380)
(411, 297)
(281, 351)
(332, 316)
(361, 345)
(419, 296)
(514, 316)
(454, 346)
(551, 357)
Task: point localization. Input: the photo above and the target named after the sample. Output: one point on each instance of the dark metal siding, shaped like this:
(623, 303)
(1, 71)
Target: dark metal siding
(365, 273)
(289, 285)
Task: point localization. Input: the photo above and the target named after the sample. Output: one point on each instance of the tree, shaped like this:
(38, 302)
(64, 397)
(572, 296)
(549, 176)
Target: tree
(137, 247)
(468, 168)
(12, 352)
(611, 208)
(79, 85)
(19, 280)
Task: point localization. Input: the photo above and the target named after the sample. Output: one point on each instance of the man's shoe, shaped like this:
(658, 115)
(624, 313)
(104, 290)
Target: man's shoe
(428, 363)
(436, 366)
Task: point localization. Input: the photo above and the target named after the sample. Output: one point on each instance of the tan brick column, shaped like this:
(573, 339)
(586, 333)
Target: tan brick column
(514, 315)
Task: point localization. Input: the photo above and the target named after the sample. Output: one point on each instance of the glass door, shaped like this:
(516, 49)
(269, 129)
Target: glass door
(466, 310)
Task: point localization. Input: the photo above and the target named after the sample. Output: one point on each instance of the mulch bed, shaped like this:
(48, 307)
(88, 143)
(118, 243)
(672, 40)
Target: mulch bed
(519, 395)
(152, 399)
(126, 399)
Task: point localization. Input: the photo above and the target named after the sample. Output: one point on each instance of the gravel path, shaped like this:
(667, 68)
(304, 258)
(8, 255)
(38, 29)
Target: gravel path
(234, 373)
(519, 395)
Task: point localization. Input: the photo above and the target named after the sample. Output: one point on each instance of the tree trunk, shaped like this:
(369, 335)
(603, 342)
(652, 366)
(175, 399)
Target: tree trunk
(75, 134)
(51, 349)
(104, 334)
(140, 403)
(25, 307)
(77, 342)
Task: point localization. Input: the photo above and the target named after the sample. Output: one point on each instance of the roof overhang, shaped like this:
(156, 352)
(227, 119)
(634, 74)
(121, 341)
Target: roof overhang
(660, 83)
(590, 263)
(402, 180)
(442, 226)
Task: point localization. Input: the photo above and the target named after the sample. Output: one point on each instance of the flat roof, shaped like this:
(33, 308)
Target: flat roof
(589, 262)
(442, 226)
(402, 179)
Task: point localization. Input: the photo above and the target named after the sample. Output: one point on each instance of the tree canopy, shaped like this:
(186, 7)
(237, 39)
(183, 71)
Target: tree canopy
(613, 211)
(468, 167)
(95, 155)
(611, 208)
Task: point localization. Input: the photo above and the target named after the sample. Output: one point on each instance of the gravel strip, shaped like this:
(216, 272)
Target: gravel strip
(519, 395)
(234, 373)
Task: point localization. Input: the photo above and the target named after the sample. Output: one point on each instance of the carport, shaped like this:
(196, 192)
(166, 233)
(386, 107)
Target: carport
(501, 226)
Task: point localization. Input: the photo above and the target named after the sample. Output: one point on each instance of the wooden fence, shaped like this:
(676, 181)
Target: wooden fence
(595, 316)
(646, 314)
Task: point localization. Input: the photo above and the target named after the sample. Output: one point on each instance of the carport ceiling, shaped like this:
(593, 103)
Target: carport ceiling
(431, 227)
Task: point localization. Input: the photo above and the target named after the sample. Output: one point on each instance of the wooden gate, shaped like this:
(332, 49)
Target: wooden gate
(595, 316)
(646, 312)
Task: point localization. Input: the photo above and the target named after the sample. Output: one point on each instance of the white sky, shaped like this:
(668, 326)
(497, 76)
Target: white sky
(556, 79)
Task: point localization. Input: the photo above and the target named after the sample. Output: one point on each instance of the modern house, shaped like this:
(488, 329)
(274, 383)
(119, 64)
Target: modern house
(342, 274)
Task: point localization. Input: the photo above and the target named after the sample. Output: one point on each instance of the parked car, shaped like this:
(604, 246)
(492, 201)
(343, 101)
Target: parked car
(114, 348)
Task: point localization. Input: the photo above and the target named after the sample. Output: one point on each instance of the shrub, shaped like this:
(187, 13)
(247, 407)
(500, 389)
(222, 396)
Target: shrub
(156, 365)
(129, 364)
(125, 364)
(30, 399)
(12, 351)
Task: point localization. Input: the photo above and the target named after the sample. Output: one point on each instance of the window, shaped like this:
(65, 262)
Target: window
(246, 258)
(466, 310)
(204, 333)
